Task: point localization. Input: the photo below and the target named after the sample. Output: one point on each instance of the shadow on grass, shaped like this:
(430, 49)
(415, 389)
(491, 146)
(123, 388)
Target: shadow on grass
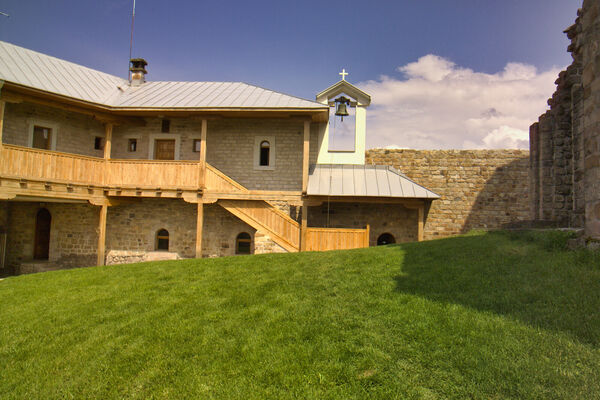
(528, 276)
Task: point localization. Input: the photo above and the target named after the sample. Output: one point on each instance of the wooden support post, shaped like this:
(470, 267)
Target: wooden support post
(108, 128)
(202, 171)
(2, 103)
(421, 222)
(199, 225)
(303, 228)
(305, 154)
(367, 236)
(102, 234)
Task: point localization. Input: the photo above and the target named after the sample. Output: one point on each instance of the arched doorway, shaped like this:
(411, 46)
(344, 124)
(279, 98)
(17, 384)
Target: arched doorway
(41, 248)
(162, 240)
(385, 238)
(243, 243)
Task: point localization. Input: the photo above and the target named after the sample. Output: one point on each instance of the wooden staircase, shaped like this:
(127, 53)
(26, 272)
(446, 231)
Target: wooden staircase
(259, 214)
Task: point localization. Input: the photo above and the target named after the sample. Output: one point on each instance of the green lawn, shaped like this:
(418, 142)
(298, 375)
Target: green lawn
(483, 316)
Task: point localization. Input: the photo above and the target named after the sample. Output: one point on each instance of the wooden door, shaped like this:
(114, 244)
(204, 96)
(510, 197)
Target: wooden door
(41, 247)
(164, 149)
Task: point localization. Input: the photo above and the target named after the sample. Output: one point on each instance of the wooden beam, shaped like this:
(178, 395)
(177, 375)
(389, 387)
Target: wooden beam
(305, 155)
(108, 129)
(199, 226)
(421, 222)
(102, 234)
(2, 103)
(304, 228)
(202, 171)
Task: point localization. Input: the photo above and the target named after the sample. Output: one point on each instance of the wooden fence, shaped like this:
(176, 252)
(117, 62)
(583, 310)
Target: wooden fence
(319, 239)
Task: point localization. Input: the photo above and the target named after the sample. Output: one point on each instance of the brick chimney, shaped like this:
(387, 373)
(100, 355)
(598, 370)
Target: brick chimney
(138, 71)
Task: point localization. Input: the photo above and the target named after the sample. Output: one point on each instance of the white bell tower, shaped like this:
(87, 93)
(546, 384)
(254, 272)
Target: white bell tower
(354, 108)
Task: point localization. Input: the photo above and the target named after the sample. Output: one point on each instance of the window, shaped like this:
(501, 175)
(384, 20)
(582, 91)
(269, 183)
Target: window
(385, 238)
(162, 240)
(197, 145)
(42, 138)
(166, 126)
(132, 145)
(242, 243)
(98, 143)
(264, 153)
(265, 148)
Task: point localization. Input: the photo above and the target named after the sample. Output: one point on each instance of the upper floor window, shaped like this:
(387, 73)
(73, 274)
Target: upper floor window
(42, 137)
(264, 152)
(165, 126)
(98, 143)
(132, 145)
(197, 145)
(265, 148)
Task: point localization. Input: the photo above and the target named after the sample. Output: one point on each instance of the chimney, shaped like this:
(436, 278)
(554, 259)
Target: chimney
(138, 71)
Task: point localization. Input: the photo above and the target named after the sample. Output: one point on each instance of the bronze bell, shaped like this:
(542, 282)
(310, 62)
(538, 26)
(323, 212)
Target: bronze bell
(341, 109)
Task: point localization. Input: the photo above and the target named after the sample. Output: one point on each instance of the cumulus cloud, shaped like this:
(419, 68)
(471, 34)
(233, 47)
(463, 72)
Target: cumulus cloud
(440, 105)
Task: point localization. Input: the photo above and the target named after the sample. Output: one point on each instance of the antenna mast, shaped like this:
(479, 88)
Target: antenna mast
(131, 42)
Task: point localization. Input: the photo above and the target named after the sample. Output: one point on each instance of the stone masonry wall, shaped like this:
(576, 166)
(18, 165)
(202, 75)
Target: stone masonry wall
(75, 132)
(565, 142)
(382, 218)
(590, 50)
(73, 233)
(485, 189)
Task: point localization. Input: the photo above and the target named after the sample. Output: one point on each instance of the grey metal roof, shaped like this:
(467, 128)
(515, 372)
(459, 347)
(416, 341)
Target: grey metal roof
(363, 180)
(39, 71)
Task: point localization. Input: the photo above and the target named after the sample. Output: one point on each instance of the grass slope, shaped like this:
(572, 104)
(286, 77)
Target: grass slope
(486, 316)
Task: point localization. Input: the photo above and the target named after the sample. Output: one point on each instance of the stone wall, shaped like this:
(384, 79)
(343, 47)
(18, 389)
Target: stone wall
(73, 233)
(565, 142)
(485, 189)
(75, 133)
(381, 218)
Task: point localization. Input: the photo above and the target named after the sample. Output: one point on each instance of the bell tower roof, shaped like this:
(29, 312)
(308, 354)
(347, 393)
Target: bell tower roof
(346, 87)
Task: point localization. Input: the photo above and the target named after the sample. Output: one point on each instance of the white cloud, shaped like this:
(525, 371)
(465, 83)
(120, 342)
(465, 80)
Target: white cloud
(439, 105)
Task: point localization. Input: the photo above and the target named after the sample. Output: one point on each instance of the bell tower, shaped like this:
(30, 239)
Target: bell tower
(342, 139)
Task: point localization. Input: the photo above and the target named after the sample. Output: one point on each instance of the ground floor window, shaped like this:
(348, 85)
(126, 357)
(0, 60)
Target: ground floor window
(162, 240)
(242, 243)
(385, 238)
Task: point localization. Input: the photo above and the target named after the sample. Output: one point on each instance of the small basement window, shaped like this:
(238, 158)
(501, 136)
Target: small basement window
(265, 149)
(165, 126)
(132, 145)
(197, 145)
(385, 238)
(98, 143)
(162, 240)
(243, 243)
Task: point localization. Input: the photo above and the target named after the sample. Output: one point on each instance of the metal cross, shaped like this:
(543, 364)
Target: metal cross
(343, 74)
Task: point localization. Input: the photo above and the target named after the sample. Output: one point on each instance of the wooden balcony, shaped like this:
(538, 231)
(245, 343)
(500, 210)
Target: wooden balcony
(28, 171)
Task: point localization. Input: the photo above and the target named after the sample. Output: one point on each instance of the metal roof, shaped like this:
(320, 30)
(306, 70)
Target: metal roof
(39, 71)
(363, 180)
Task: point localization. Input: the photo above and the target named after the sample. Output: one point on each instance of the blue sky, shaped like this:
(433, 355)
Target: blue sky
(297, 47)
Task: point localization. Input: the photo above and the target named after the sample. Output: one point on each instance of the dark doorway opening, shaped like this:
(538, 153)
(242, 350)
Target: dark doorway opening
(41, 249)
(243, 243)
(385, 238)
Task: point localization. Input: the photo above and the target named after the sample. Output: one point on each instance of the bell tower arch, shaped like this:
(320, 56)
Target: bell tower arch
(345, 101)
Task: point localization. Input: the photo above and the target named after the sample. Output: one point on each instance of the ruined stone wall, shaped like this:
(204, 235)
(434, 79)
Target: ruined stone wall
(565, 142)
(485, 189)
(394, 219)
(590, 51)
(75, 133)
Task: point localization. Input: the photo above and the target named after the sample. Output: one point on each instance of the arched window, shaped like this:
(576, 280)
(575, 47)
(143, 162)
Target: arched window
(162, 240)
(265, 149)
(242, 243)
(386, 238)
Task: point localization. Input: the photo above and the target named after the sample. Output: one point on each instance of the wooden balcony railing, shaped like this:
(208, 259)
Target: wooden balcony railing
(27, 163)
